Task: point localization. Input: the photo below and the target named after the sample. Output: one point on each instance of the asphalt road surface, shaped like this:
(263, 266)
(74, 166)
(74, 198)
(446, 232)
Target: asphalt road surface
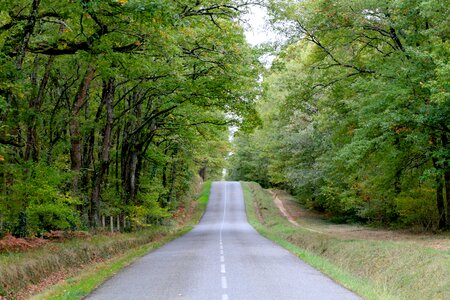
(223, 257)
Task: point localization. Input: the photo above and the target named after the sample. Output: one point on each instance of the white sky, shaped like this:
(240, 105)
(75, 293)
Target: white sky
(256, 29)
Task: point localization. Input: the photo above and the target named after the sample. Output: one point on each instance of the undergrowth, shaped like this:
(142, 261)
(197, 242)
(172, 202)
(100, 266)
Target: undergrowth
(373, 269)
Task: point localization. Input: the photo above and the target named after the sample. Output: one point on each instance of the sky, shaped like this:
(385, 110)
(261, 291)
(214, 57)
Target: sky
(256, 29)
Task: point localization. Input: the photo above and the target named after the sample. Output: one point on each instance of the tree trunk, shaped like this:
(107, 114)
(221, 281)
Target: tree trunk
(447, 194)
(28, 30)
(35, 104)
(444, 138)
(202, 173)
(88, 164)
(108, 99)
(439, 195)
(173, 176)
(132, 180)
(131, 151)
(74, 126)
(117, 161)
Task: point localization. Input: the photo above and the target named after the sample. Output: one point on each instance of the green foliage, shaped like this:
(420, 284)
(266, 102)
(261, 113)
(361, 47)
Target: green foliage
(36, 203)
(356, 111)
(417, 208)
(123, 102)
(204, 196)
(52, 216)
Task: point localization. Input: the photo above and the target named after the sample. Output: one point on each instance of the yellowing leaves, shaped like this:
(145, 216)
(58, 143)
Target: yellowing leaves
(188, 32)
(163, 34)
(122, 2)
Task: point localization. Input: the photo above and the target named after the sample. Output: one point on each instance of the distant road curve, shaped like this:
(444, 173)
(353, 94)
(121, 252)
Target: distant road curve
(223, 257)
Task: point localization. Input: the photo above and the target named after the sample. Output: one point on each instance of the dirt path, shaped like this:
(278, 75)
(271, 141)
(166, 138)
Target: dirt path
(279, 203)
(311, 221)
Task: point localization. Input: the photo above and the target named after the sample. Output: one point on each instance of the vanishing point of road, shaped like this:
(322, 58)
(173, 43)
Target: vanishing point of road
(222, 258)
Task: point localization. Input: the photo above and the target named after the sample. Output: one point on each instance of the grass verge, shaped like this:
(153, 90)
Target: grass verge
(95, 259)
(202, 202)
(81, 285)
(373, 269)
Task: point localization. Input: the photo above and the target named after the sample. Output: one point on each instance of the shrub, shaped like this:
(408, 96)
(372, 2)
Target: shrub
(36, 201)
(51, 216)
(417, 209)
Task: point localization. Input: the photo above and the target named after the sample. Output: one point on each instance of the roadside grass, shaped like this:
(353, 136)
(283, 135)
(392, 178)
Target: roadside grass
(374, 269)
(83, 284)
(94, 259)
(202, 202)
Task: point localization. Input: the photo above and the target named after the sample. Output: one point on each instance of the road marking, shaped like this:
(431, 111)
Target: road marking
(224, 282)
(224, 212)
(222, 257)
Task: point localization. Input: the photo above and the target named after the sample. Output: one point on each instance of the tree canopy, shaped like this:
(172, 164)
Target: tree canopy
(356, 111)
(113, 107)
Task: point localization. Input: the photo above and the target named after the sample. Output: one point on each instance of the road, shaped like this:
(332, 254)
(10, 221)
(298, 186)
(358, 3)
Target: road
(223, 257)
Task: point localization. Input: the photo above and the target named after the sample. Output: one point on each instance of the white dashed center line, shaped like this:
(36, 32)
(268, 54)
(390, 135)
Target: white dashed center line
(224, 282)
(222, 257)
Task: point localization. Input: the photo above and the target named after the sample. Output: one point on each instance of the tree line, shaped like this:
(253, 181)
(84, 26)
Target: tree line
(356, 111)
(112, 107)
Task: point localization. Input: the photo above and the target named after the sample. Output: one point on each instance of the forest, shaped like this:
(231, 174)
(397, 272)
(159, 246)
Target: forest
(116, 108)
(356, 111)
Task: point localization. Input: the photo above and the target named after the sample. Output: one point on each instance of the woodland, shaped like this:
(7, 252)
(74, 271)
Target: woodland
(115, 108)
(355, 111)
(119, 107)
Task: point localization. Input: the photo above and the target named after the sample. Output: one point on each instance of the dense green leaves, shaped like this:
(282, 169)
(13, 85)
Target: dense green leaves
(359, 123)
(123, 101)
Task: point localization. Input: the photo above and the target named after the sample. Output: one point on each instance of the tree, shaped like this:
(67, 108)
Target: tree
(118, 98)
(361, 126)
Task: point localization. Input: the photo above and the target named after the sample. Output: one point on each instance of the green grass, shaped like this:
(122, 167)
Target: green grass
(20, 270)
(373, 269)
(202, 202)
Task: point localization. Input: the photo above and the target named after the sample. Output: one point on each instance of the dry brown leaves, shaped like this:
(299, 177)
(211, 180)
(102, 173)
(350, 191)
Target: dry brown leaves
(12, 244)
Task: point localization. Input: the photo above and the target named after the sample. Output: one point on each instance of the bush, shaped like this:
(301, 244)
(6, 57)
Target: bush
(36, 201)
(417, 209)
(150, 212)
(51, 216)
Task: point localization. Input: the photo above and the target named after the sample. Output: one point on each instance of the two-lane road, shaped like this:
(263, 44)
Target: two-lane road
(223, 257)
